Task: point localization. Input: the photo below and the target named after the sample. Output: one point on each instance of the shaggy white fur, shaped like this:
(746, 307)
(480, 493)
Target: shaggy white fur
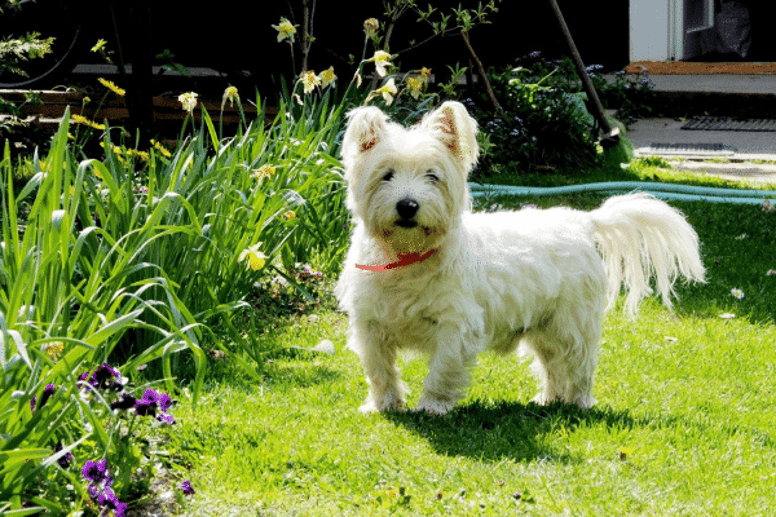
(425, 273)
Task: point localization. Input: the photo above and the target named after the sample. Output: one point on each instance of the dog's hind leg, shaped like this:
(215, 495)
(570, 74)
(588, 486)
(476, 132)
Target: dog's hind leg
(565, 362)
(378, 357)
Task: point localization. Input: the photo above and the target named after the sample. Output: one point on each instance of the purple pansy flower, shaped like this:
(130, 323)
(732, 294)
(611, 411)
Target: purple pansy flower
(48, 391)
(186, 488)
(153, 401)
(65, 460)
(100, 488)
(97, 473)
(104, 377)
(108, 500)
(126, 401)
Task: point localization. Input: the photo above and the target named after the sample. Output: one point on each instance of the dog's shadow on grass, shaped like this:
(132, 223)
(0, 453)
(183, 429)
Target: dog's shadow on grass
(507, 430)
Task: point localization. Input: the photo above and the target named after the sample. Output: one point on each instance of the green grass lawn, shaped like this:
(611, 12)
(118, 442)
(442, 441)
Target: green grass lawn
(683, 425)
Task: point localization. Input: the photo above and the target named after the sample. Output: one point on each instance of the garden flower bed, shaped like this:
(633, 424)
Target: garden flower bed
(161, 305)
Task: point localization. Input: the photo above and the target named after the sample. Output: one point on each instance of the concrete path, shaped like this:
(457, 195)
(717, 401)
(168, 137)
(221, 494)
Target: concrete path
(718, 83)
(746, 155)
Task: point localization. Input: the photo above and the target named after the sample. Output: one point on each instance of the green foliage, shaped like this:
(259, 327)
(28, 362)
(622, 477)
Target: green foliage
(441, 21)
(544, 122)
(305, 138)
(14, 51)
(136, 257)
(632, 98)
(68, 285)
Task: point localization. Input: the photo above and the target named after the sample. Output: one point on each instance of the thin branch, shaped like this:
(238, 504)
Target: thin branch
(305, 34)
(481, 70)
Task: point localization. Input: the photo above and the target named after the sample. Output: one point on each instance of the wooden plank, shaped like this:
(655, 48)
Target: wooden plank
(74, 99)
(52, 111)
(166, 109)
(693, 68)
(228, 119)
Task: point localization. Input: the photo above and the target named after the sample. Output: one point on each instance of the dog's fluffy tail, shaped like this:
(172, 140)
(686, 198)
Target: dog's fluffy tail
(639, 237)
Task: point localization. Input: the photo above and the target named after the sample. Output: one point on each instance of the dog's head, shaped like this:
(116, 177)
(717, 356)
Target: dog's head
(408, 185)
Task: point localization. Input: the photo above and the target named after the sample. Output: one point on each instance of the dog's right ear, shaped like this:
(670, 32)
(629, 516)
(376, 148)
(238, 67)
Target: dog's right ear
(366, 128)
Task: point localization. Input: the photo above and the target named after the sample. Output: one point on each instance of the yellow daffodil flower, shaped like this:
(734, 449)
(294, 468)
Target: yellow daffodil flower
(388, 91)
(371, 27)
(310, 80)
(328, 77)
(253, 258)
(381, 59)
(231, 95)
(415, 86)
(286, 30)
(265, 171)
(188, 101)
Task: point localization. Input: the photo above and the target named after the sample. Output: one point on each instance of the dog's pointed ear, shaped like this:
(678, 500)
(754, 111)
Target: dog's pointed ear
(455, 128)
(365, 129)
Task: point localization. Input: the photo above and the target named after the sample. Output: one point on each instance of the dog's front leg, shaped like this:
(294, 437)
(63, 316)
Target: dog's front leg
(378, 357)
(449, 373)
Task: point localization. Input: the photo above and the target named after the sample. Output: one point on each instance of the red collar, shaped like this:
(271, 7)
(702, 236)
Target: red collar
(405, 259)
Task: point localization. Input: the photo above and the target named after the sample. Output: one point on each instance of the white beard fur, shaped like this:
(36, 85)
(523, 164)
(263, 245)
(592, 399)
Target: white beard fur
(531, 278)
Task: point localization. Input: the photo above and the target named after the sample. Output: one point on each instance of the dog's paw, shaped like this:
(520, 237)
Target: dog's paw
(370, 406)
(434, 405)
(586, 401)
(542, 399)
(583, 401)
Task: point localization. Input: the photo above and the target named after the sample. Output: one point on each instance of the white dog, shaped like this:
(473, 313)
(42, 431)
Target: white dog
(425, 273)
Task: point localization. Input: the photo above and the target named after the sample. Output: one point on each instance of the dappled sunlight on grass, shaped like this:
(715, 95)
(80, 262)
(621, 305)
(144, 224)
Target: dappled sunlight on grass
(683, 409)
(685, 400)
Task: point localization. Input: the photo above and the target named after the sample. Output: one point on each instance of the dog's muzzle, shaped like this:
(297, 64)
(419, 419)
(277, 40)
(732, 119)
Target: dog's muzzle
(407, 208)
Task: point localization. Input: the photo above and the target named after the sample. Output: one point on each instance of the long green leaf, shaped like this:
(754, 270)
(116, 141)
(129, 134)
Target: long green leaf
(119, 324)
(211, 129)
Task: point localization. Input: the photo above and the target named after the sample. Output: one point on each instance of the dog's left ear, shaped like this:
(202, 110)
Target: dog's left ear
(455, 128)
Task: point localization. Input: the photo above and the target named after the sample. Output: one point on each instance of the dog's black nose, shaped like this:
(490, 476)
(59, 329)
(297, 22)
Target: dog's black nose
(407, 208)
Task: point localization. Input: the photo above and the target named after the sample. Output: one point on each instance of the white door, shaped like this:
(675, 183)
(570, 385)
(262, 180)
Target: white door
(668, 30)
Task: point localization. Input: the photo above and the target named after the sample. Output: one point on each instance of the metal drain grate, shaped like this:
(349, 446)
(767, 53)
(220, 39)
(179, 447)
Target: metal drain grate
(728, 124)
(688, 149)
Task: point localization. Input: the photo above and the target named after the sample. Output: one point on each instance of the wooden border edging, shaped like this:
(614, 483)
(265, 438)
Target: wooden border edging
(167, 110)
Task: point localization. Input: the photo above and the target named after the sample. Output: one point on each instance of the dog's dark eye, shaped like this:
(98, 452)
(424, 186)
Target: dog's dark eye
(388, 176)
(433, 177)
